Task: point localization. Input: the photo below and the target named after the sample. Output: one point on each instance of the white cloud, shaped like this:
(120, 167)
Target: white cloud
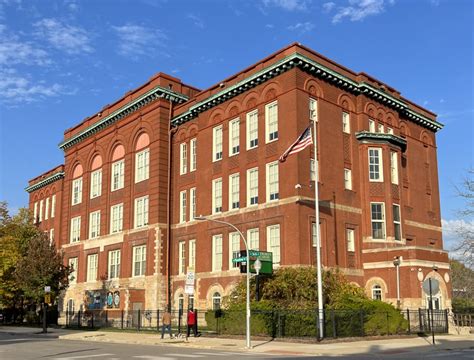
(289, 5)
(327, 7)
(452, 230)
(301, 27)
(358, 10)
(269, 26)
(137, 40)
(196, 20)
(67, 38)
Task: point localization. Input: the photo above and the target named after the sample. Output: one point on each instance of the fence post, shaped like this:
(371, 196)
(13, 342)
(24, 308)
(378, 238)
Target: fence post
(446, 320)
(179, 320)
(139, 320)
(420, 319)
(79, 319)
(408, 319)
(92, 319)
(362, 332)
(158, 320)
(106, 318)
(333, 320)
(122, 321)
(388, 324)
(67, 318)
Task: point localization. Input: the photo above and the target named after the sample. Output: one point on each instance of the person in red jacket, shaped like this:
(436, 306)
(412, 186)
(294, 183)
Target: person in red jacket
(191, 322)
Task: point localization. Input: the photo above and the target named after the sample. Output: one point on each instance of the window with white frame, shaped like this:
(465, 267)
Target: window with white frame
(389, 131)
(192, 254)
(347, 179)
(272, 181)
(181, 258)
(314, 235)
(75, 229)
(394, 167)
(313, 109)
(378, 220)
(253, 239)
(217, 252)
(73, 262)
(273, 242)
(271, 121)
(35, 213)
(376, 292)
(116, 218)
(142, 165)
(252, 129)
(46, 209)
(94, 224)
(193, 154)
(252, 186)
(216, 301)
(371, 125)
(76, 192)
(234, 249)
(53, 205)
(92, 266)
(350, 238)
(397, 223)
(118, 170)
(141, 212)
(217, 196)
(182, 206)
(234, 191)
(96, 183)
(217, 143)
(375, 164)
(234, 137)
(114, 264)
(183, 158)
(41, 210)
(139, 260)
(381, 128)
(192, 203)
(346, 124)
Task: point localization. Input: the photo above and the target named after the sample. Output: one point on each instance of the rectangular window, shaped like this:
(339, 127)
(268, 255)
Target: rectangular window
(272, 181)
(41, 211)
(35, 213)
(252, 187)
(53, 206)
(183, 158)
(234, 191)
(193, 156)
(141, 212)
(314, 234)
(313, 109)
(375, 164)
(139, 260)
(96, 183)
(217, 143)
(217, 196)
(390, 131)
(217, 253)
(118, 168)
(380, 128)
(114, 264)
(253, 239)
(252, 129)
(142, 165)
(397, 224)
(94, 224)
(346, 124)
(234, 249)
(273, 242)
(92, 262)
(350, 240)
(116, 218)
(182, 258)
(394, 167)
(75, 229)
(371, 125)
(46, 209)
(347, 179)
(192, 204)
(76, 192)
(271, 121)
(234, 137)
(192, 254)
(182, 206)
(378, 220)
(73, 265)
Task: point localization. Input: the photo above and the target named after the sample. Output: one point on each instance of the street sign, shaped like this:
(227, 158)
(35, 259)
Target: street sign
(189, 289)
(47, 298)
(47, 289)
(239, 259)
(265, 257)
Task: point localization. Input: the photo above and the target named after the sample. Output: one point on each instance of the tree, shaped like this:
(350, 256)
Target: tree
(463, 286)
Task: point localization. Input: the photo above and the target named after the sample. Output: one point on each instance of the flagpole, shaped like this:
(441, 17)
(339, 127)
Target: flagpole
(318, 235)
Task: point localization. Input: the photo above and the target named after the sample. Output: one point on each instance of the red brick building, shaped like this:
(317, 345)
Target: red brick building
(137, 172)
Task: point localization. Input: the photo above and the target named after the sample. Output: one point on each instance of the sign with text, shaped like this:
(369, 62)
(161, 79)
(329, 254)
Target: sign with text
(265, 257)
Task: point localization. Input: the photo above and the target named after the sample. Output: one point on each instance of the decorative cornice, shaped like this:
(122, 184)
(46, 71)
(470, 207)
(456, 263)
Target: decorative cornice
(316, 69)
(150, 96)
(50, 179)
(367, 136)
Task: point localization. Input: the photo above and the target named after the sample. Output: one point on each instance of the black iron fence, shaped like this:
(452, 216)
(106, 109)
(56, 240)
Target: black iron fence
(270, 323)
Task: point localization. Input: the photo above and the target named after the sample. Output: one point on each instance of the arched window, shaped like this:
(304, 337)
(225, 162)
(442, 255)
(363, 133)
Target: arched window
(118, 168)
(96, 177)
(76, 185)
(142, 158)
(377, 292)
(216, 301)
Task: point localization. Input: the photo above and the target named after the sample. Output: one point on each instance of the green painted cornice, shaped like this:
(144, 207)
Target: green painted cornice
(46, 181)
(374, 137)
(316, 69)
(150, 96)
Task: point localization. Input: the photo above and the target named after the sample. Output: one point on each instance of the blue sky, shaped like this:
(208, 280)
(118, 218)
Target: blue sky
(62, 60)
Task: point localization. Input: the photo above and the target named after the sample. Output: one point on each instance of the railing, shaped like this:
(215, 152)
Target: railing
(464, 320)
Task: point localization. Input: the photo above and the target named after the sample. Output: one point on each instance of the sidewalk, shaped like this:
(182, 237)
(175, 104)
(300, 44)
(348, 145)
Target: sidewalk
(387, 346)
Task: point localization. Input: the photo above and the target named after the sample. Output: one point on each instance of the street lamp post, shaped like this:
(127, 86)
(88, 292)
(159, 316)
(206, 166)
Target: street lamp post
(247, 331)
(396, 262)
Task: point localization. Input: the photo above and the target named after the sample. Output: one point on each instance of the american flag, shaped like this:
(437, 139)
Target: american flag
(303, 141)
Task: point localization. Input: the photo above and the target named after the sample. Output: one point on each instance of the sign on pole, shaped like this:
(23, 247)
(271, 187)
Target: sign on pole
(189, 284)
(47, 289)
(47, 298)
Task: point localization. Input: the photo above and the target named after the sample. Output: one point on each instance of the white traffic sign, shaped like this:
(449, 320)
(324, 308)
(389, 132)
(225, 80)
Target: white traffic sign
(47, 289)
(189, 289)
(190, 277)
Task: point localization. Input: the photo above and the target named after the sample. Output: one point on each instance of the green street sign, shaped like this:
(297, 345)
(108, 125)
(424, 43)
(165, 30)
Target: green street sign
(239, 259)
(265, 257)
